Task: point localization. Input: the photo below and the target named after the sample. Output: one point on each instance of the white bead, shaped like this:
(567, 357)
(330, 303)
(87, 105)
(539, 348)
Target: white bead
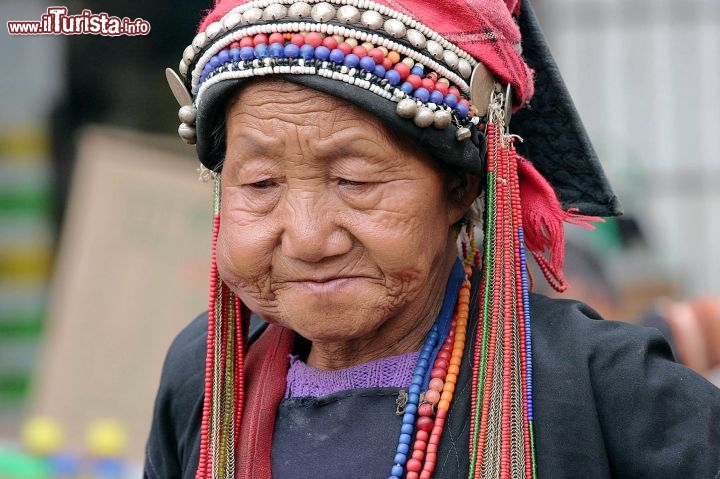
(252, 15)
(183, 68)
(188, 54)
(435, 49)
(275, 11)
(416, 38)
(323, 12)
(299, 10)
(198, 42)
(187, 114)
(348, 14)
(464, 68)
(231, 21)
(395, 28)
(372, 19)
(450, 58)
(213, 30)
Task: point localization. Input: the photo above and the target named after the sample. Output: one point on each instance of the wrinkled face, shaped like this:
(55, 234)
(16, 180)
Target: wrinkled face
(328, 226)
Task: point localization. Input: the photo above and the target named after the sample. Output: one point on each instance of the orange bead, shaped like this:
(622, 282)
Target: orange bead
(453, 370)
(393, 56)
(444, 405)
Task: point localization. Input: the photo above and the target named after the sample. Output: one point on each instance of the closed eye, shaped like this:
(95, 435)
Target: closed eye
(346, 182)
(263, 184)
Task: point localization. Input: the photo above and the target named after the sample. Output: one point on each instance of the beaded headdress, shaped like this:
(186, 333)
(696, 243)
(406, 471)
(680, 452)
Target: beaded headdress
(448, 74)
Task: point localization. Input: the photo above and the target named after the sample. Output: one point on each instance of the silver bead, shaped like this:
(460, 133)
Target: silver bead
(407, 108)
(464, 68)
(198, 42)
(371, 19)
(416, 38)
(231, 21)
(177, 87)
(463, 134)
(252, 15)
(348, 14)
(188, 54)
(213, 30)
(275, 11)
(435, 49)
(323, 12)
(187, 114)
(424, 117)
(299, 10)
(187, 133)
(183, 68)
(450, 58)
(442, 120)
(395, 28)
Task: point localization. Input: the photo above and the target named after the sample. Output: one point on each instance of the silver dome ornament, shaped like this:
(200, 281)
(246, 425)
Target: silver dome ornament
(187, 133)
(451, 59)
(188, 54)
(372, 19)
(424, 117)
(213, 30)
(252, 15)
(275, 11)
(299, 10)
(395, 28)
(187, 114)
(463, 133)
(348, 14)
(435, 49)
(199, 42)
(407, 108)
(231, 21)
(464, 68)
(442, 120)
(177, 87)
(416, 38)
(323, 12)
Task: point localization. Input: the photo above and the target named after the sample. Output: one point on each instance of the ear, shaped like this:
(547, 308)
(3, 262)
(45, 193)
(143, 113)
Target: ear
(463, 189)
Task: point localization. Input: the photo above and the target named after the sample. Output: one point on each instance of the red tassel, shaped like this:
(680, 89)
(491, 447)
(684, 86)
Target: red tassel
(543, 219)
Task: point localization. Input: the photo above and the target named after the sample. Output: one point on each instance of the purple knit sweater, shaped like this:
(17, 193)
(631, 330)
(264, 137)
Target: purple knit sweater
(306, 381)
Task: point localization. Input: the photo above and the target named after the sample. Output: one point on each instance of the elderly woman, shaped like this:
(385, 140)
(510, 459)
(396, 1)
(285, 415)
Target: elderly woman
(348, 142)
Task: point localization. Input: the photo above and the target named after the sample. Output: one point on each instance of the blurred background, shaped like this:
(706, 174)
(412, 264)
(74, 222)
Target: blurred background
(105, 230)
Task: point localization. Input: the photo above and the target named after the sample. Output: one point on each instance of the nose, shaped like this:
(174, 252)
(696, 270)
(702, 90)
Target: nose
(311, 231)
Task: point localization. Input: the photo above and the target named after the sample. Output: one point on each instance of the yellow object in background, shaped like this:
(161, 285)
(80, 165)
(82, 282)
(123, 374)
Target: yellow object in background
(106, 438)
(42, 436)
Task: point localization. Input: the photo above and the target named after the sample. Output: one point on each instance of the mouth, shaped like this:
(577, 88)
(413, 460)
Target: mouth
(325, 284)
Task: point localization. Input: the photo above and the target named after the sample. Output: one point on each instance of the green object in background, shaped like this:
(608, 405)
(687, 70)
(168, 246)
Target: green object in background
(16, 465)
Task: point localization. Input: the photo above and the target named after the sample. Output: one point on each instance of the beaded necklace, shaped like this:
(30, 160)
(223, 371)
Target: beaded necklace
(431, 388)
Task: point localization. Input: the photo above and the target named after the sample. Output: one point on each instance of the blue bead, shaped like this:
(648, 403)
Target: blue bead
(433, 334)
(422, 363)
(403, 448)
(277, 50)
(224, 56)
(379, 71)
(307, 52)
(411, 409)
(417, 379)
(261, 50)
(207, 68)
(405, 439)
(337, 55)
(247, 53)
(408, 418)
(451, 100)
(414, 398)
(394, 477)
(462, 110)
(367, 64)
(215, 62)
(417, 70)
(436, 97)
(322, 52)
(235, 54)
(393, 77)
(397, 471)
(400, 459)
(414, 389)
(351, 60)
(407, 429)
(292, 50)
(406, 87)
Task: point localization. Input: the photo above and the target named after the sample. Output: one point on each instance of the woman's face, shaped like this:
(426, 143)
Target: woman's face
(329, 227)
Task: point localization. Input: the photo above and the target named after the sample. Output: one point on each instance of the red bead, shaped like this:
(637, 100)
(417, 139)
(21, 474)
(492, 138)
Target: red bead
(345, 48)
(260, 38)
(428, 84)
(438, 373)
(413, 465)
(454, 91)
(330, 42)
(314, 39)
(276, 38)
(419, 455)
(425, 410)
(414, 80)
(442, 364)
(234, 45)
(387, 63)
(424, 423)
(444, 353)
(464, 101)
(403, 70)
(298, 40)
(246, 42)
(419, 445)
(432, 447)
(360, 51)
(412, 475)
(422, 436)
(377, 55)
